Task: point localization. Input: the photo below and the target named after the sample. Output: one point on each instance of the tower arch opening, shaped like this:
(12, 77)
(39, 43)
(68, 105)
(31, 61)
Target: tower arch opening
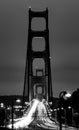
(38, 66)
(38, 44)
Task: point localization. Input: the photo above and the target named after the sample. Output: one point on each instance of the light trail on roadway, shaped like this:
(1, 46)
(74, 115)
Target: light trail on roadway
(37, 116)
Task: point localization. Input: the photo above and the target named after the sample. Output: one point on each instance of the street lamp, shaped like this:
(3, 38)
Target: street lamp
(2, 105)
(13, 101)
(68, 95)
(62, 95)
(18, 105)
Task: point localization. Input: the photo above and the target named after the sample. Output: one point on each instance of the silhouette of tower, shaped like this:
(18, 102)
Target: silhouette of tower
(37, 80)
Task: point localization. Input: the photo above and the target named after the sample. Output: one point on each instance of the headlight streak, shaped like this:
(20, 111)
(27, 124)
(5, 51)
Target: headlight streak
(25, 121)
(37, 113)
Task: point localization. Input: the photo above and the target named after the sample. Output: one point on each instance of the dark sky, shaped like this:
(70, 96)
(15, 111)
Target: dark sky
(64, 43)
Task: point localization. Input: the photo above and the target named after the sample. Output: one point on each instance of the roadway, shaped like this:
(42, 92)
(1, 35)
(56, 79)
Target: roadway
(36, 118)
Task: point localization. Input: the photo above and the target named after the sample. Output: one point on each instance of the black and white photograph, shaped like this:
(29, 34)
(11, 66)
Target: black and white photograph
(39, 64)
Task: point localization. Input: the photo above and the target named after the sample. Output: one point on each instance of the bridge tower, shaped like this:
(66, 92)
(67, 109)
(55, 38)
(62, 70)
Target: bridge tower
(37, 80)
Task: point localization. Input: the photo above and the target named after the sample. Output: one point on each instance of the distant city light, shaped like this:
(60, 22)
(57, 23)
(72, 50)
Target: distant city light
(16, 109)
(2, 105)
(58, 109)
(55, 109)
(17, 106)
(62, 108)
(8, 108)
(69, 107)
(18, 100)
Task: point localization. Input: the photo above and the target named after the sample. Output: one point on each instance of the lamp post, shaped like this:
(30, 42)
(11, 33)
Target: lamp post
(66, 97)
(12, 113)
(2, 114)
(17, 101)
(63, 95)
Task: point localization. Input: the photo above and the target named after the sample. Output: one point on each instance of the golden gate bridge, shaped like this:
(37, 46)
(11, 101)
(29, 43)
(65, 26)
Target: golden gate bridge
(37, 80)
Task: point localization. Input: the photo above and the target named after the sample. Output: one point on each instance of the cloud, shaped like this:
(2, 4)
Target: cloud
(66, 74)
(64, 39)
(11, 74)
